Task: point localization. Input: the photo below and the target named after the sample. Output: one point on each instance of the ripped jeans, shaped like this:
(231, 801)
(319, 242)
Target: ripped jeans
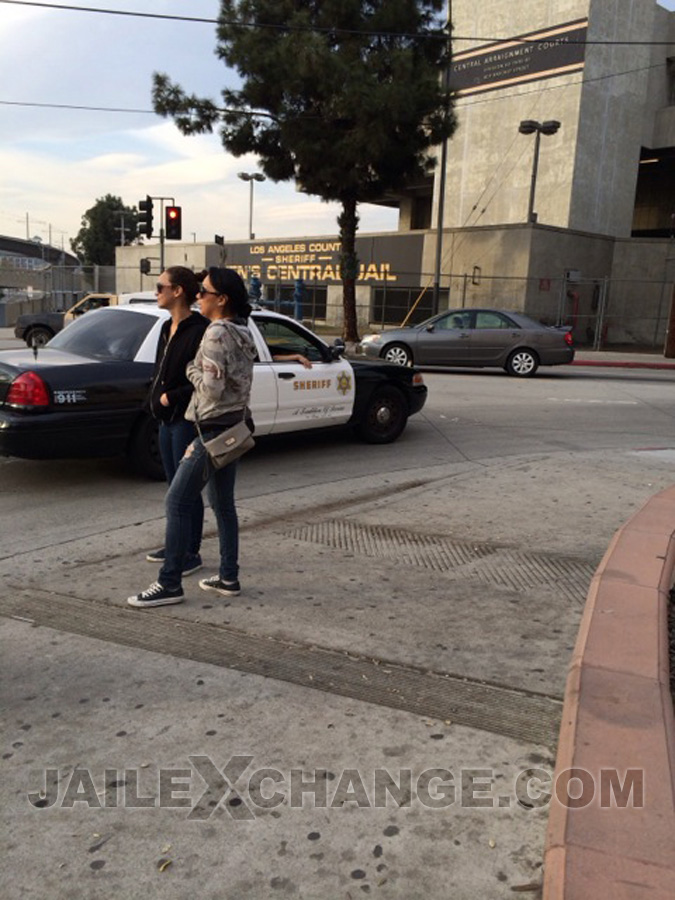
(194, 472)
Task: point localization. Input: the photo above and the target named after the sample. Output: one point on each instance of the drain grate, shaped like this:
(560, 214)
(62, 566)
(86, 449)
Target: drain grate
(488, 563)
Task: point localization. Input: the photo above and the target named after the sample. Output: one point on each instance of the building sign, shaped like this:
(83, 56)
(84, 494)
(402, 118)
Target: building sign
(528, 57)
(394, 259)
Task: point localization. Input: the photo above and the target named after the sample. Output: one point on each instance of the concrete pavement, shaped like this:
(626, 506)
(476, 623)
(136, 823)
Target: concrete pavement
(418, 622)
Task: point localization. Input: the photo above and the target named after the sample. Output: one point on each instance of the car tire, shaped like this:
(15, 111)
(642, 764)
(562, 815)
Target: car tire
(143, 450)
(398, 354)
(385, 416)
(522, 363)
(38, 337)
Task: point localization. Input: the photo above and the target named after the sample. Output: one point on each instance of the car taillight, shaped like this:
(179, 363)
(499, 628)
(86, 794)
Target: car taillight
(418, 378)
(27, 389)
(568, 338)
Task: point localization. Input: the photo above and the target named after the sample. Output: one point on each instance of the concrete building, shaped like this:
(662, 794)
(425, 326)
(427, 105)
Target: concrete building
(573, 221)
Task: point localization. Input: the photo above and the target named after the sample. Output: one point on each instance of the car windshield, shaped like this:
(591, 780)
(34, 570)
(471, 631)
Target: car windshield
(107, 334)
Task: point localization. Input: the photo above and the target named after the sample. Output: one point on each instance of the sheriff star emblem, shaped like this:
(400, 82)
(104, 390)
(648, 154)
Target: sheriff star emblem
(344, 383)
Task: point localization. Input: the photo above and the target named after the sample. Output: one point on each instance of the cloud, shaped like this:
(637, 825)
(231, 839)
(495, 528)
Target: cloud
(57, 162)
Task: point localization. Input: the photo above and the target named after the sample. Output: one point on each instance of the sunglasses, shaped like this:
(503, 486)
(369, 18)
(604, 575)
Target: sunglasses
(202, 290)
(160, 287)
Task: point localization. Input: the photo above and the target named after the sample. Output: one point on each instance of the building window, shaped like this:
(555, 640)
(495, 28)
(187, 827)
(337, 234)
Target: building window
(392, 305)
(280, 297)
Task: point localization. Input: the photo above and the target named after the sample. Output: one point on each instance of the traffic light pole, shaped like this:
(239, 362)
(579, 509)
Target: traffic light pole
(162, 236)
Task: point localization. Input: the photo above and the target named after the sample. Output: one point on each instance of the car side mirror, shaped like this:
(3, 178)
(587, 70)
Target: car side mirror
(431, 328)
(338, 348)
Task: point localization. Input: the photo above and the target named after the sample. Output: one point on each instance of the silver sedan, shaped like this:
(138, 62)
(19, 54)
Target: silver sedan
(477, 338)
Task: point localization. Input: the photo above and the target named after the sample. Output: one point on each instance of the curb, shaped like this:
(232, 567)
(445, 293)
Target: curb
(627, 364)
(618, 715)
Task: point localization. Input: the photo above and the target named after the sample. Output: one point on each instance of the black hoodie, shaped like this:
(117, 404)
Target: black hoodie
(172, 358)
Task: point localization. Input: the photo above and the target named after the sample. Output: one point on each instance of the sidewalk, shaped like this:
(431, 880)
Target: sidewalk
(622, 359)
(391, 623)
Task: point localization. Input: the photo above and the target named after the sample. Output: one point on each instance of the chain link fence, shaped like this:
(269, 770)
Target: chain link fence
(33, 286)
(603, 313)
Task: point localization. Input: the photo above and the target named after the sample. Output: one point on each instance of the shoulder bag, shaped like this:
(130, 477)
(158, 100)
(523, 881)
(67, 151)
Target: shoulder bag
(229, 445)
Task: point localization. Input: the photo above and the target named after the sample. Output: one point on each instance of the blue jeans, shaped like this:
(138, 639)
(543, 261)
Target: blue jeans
(174, 439)
(194, 471)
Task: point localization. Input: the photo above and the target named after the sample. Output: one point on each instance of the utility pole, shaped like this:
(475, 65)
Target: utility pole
(122, 230)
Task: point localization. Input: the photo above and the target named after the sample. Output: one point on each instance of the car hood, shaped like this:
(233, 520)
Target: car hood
(395, 332)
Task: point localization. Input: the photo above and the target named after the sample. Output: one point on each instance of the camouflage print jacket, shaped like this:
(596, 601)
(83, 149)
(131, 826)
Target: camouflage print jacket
(221, 372)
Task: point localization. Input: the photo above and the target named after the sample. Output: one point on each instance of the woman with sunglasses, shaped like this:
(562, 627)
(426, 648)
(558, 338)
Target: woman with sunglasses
(221, 373)
(170, 390)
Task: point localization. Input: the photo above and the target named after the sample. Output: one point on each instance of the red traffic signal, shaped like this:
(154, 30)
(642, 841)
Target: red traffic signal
(173, 223)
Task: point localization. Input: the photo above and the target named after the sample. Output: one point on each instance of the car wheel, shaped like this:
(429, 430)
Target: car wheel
(397, 353)
(522, 363)
(143, 450)
(385, 416)
(38, 337)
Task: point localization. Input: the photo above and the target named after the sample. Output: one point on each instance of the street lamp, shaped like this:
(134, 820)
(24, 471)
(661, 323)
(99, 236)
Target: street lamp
(529, 126)
(250, 177)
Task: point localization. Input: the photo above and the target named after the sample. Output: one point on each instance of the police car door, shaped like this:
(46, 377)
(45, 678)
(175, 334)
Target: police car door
(306, 398)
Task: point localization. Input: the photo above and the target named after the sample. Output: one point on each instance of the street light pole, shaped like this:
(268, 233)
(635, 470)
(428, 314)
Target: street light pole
(531, 214)
(529, 126)
(440, 217)
(250, 177)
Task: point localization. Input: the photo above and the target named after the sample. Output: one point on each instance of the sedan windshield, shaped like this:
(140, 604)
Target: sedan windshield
(104, 334)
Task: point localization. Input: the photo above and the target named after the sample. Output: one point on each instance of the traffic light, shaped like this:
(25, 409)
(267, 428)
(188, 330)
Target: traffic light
(173, 224)
(144, 223)
(145, 266)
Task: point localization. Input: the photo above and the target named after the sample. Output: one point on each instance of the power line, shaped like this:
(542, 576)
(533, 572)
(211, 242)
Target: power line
(460, 102)
(327, 30)
(120, 109)
(75, 106)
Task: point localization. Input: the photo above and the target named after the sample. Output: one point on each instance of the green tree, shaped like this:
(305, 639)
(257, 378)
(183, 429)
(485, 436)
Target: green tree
(344, 96)
(101, 231)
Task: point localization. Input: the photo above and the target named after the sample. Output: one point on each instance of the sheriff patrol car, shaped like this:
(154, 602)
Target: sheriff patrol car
(84, 394)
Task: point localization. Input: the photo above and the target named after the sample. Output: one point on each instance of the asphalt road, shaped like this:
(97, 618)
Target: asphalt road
(368, 567)
(476, 418)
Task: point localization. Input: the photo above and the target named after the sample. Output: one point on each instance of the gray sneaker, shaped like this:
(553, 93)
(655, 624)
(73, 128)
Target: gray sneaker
(216, 583)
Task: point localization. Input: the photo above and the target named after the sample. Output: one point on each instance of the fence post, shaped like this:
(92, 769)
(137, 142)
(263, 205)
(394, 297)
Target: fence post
(669, 348)
(602, 306)
(561, 299)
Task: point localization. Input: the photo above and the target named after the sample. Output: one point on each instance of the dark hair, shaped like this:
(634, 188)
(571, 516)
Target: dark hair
(183, 277)
(227, 281)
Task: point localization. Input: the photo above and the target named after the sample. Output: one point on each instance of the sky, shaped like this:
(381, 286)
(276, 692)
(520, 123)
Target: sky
(55, 163)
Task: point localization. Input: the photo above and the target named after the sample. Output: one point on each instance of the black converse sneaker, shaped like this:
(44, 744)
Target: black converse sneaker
(192, 562)
(156, 595)
(156, 556)
(216, 583)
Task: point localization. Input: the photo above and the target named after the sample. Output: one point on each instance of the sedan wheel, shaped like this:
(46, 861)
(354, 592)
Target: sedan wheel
(38, 337)
(397, 353)
(522, 363)
(385, 416)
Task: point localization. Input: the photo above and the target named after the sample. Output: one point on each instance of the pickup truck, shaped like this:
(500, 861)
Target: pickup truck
(38, 328)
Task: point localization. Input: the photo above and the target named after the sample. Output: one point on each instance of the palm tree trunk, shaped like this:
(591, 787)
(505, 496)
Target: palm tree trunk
(348, 222)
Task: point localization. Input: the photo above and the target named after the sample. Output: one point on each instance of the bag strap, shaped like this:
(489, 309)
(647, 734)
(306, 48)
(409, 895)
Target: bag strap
(243, 419)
